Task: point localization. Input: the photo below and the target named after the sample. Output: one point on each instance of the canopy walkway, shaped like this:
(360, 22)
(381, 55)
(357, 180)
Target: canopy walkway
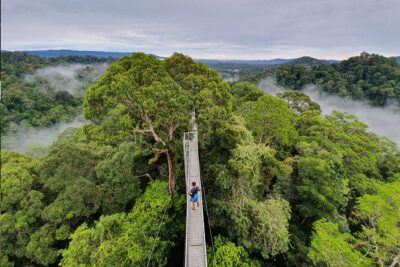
(195, 244)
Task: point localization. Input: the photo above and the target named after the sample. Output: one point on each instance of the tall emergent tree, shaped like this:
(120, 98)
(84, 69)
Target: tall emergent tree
(154, 98)
(285, 185)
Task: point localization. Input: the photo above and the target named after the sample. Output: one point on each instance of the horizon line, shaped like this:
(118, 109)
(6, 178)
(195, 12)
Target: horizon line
(200, 58)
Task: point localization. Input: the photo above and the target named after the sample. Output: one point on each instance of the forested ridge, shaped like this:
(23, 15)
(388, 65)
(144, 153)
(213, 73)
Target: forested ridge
(285, 185)
(368, 77)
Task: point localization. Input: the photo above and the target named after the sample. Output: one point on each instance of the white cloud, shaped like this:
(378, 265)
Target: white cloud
(253, 29)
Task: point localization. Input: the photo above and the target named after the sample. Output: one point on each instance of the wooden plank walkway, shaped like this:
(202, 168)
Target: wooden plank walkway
(195, 248)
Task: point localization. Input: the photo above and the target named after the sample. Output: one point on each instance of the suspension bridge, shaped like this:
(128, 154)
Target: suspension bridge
(195, 244)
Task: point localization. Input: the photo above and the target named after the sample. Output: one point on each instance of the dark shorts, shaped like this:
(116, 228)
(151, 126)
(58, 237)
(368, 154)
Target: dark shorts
(195, 198)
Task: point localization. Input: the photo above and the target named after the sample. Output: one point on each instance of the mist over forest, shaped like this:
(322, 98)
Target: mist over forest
(26, 138)
(92, 160)
(44, 97)
(384, 121)
(73, 78)
(200, 133)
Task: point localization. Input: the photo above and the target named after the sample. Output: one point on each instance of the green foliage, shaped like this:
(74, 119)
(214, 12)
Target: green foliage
(271, 121)
(299, 102)
(126, 240)
(157, 97)
(376, 243)
(40, 246)
(4, 261)
(20, 203)
(245, 91)
(293, 76)
(113, 130)
(380, 218)
(267, 229)
(330, 247)
(285, 186)
(43, 202)
(337, 161)
(260, 224)
(321, 192)
(227, 254)
(368, 76)
(36, 103)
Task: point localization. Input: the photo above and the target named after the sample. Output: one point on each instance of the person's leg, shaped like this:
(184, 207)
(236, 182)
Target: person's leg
(198, 204)
(193, 207)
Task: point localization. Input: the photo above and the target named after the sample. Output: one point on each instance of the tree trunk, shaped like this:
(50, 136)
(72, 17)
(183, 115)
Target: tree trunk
(396, 260)
(171, 178)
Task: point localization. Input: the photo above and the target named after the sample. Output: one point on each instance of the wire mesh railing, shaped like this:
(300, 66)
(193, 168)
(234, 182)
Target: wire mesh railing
(195, 254)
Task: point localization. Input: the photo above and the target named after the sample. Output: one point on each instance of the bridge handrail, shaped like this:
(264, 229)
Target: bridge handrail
(191, 139)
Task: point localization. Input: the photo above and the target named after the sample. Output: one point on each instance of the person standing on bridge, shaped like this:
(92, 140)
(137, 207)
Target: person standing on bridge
(194, 195)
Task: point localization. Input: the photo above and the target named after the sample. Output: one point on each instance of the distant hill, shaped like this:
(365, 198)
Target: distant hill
(276, 61)
(397, 59)
(64, 52)
(310, 61)
(104, 54)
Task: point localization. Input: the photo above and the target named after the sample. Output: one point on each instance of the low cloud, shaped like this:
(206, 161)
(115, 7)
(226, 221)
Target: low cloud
(384, 121)
(229, 77)
(269, 85)
(28, 137)
(73, 78)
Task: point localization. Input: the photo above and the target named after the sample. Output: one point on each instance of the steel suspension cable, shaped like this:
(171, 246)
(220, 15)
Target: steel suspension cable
(158, 231)
(208, 216)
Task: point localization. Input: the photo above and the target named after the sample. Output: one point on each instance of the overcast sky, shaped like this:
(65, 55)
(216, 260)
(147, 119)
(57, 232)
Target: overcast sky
(225, 29)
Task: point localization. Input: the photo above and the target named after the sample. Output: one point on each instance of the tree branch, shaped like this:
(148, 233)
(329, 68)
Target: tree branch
(150, 131)
(395, 261)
